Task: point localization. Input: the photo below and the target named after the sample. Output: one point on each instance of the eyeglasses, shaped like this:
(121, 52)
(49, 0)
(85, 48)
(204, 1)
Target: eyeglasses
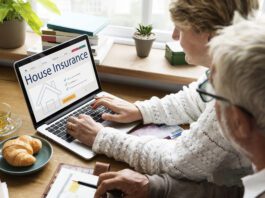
(207, 93)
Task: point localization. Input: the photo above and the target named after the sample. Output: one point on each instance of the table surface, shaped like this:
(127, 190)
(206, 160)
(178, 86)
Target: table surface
(33, 185)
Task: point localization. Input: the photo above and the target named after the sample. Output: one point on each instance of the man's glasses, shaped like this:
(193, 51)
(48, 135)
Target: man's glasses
(207, 93)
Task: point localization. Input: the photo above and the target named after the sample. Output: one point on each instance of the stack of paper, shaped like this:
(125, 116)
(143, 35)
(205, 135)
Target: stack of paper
(3, 190)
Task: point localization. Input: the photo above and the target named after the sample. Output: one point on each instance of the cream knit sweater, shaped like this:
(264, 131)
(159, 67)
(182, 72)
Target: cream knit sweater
(199, 153)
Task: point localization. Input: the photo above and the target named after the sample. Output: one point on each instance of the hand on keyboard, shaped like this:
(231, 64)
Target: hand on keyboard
(84, 128)
(59, 128)
(125, 112)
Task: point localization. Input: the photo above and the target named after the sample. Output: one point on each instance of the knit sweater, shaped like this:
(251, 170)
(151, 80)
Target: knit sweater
(199, 153)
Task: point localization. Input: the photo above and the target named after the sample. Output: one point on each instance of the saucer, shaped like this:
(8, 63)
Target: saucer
(42, 158)
(14, 123)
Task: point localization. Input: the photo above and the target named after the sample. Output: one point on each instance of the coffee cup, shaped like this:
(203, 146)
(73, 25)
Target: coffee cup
(5, 114)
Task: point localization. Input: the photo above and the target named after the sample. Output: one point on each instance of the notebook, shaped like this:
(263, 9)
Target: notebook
(61, 82)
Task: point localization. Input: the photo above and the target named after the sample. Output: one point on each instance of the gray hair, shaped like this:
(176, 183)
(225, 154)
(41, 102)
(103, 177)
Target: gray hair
(238, 54)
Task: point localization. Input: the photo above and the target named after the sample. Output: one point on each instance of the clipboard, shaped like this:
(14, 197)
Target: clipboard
(99, 168)
(67, 166)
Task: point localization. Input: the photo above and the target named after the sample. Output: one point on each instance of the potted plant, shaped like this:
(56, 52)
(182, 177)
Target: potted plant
(144, 38)
(13, 15)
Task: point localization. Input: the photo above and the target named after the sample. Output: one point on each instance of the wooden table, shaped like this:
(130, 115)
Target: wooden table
(32, 186)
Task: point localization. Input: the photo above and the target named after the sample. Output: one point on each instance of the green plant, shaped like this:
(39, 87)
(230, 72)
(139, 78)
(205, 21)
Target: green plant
(21, 9)
(144, 30)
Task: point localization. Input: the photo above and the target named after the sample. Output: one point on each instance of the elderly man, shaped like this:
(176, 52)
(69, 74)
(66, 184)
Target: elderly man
(238, 78)
(238, 85)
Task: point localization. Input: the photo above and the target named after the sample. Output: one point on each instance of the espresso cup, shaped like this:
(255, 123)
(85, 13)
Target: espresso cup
(5, 114)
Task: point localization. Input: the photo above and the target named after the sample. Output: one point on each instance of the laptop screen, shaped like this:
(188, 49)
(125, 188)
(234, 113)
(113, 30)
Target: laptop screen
(58, 79)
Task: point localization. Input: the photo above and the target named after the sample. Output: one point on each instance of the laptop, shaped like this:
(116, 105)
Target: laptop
(61, 82)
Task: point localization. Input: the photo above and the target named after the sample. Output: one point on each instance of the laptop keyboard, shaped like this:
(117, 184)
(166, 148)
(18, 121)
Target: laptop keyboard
(59, 128)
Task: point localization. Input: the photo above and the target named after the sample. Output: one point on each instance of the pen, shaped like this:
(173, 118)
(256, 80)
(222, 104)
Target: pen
(115, 193)
(173, 135)
(86, 184)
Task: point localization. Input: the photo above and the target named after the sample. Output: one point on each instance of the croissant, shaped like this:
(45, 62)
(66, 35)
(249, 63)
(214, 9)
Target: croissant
(34, 142)
(19, 151)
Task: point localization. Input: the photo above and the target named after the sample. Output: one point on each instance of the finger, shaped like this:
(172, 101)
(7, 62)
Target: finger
(72, 119)
(83, 116)
(105, 96)
(84, 119)
(88, 119)
(97, 99)
(71, 129)
(70, 126)
(111, 117)
(107, 185)
(103, 102)
(72, 133)
(105, 176)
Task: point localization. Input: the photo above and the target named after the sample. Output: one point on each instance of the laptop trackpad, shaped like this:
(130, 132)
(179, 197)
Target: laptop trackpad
(123, 127)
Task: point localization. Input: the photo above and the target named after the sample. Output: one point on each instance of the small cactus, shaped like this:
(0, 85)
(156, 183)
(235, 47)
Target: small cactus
(143, 30)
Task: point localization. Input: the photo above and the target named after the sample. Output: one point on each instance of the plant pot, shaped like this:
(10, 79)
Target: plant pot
(143, 44)
(12, 34)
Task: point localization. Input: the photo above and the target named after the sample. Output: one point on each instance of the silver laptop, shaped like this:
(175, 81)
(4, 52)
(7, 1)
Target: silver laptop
(60, 82)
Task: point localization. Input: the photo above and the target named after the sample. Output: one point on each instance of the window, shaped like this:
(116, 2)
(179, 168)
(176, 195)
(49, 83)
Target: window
(124, 15)
(160, 17)
(120, 12)
(262, 3)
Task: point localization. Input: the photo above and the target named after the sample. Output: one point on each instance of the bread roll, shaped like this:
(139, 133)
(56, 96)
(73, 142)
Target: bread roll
(19, 151)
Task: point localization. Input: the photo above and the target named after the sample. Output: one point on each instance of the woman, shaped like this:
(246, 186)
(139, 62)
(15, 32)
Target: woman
(200, 152)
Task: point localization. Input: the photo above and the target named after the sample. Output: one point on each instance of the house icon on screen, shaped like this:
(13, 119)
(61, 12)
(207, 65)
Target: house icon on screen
(48, 98)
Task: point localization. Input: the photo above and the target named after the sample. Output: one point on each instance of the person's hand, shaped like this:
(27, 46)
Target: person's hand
(83, 128)
(131, 183)
(125, 112)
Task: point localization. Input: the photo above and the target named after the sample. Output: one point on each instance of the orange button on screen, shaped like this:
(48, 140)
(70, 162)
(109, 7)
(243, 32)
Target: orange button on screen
(69, 98)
